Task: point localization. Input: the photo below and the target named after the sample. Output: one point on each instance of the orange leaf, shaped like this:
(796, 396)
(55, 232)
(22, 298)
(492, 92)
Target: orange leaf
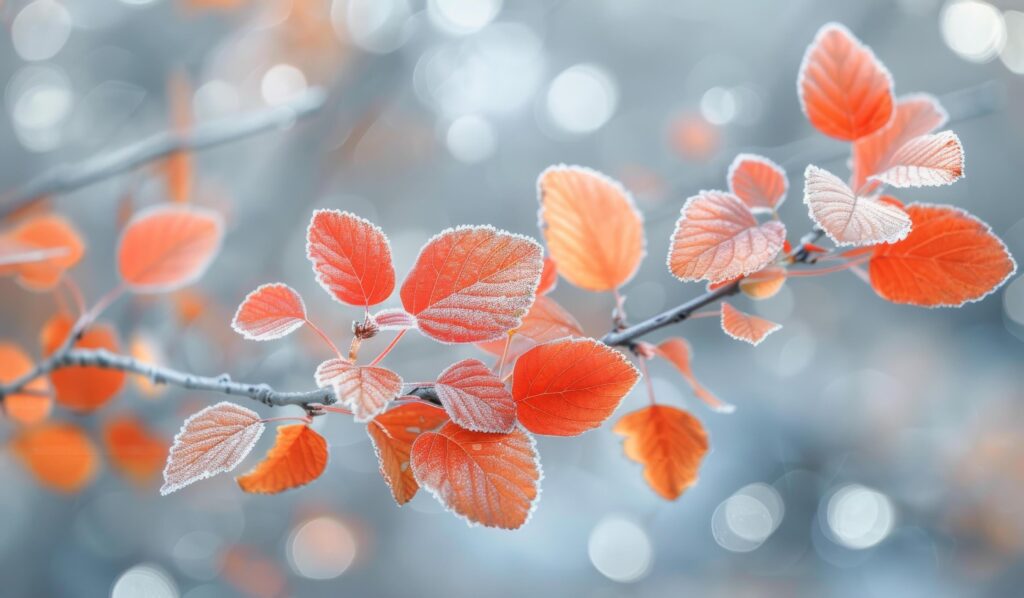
(269, 312)
(472, 284)
(593, 230)
(31, 407)
(670, 444)
(925, 161)
(678, 352)
(548, 277)
(758, 181)
(546, 321)
(718, 238)
(948, 259)
(351, 257)
(490, 479)
(167, 247)
(134, 451)
(393, 433)
(844, 90)
(299, 456)
(569, 386)
(845, 217)
(59, 455)
(745, 327)
(54, 241)
(764, 284)
(475, 398)
(364, 389)
(211, 441)
(82, 388)
(915, 115)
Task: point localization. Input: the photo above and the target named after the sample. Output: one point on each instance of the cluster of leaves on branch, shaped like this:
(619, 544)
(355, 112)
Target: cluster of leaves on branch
(468, 435)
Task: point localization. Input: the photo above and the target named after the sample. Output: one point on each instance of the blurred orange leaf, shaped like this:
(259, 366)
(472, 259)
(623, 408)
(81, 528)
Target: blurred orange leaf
(52, 241)
(134, 451)
(82, 388)
(167, 247)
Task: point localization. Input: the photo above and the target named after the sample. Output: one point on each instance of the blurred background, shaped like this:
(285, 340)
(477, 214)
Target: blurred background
(875, 450)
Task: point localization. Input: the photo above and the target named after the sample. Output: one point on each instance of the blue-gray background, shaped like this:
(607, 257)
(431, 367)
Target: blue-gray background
(884, 441)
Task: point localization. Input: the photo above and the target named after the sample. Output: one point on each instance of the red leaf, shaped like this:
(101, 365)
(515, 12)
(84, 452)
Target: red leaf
(546, 321)
(475, 398)
(351, 257)
(745, 327)
(844, 90)
(472, 284)
(758, 181)
(915, 115)
(848, 219)
(364, 389)
(299, 456)
(593, 230)
(393, 433)
(678, 352)
(718, 238)
(948, 259)
(269, 312)
(212, 441)
(167, 247)
(490, 479)
(669, 442)
(925, 161)
(566, 387)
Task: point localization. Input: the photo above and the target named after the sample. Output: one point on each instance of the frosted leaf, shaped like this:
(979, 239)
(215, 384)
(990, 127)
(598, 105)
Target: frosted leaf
(394, 319)
(472, 283)
(848, 219)
(745, 327)
(925, 161)
(271, 311)
(351, 257)
(915, 115)
(475, 398)
(488, 479)
(758, 181)
(364, 389)
(212, 441)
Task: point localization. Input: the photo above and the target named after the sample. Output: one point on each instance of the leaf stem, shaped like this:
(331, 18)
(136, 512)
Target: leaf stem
(388, 348)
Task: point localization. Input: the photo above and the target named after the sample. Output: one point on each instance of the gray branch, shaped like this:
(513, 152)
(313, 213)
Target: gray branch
(68, 177)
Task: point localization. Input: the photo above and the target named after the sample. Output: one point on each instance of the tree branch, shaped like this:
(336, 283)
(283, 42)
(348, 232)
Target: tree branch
(68, 177)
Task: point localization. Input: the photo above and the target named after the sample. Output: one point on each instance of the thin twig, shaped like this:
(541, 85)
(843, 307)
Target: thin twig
(69, 177)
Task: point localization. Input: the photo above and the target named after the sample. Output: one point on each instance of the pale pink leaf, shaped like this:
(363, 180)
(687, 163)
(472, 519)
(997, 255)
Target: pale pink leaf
(758, 181)
(915, 115)
(745, 327)
(925, 161)
(271, 311)
(475, 398)
(394, 319)
(364, 389)
(212, 441)
(717, 238)
(848, 219)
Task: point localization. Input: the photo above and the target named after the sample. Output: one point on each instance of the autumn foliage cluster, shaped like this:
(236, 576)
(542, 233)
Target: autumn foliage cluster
(468, 435)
